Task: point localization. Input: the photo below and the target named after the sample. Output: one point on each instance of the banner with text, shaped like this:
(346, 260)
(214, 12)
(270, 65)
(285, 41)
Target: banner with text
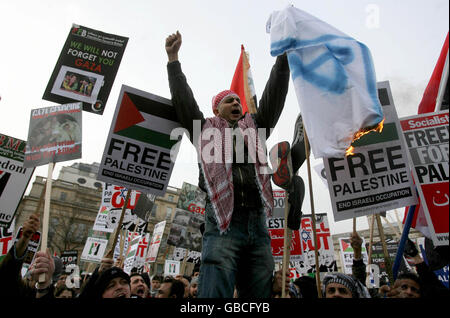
(14, 177)
(377, 177)
(137, 153)
(86, 68)
(427, 137)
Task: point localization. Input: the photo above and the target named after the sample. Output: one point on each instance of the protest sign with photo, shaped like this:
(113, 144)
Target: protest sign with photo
(325, 248)
(6, 239)
(153, 249)
(138, 153)
(427, 137)
(94, 249)
(377, 177)
(14, 177)
(191, 198)
(185, 230)
(54, 135)
(69, 258)
(113, 199)
(180, 253)
(145, 206)
(347, 254)
(86, 68)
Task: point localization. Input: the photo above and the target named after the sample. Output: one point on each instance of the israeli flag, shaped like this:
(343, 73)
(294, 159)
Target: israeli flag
(333, 76)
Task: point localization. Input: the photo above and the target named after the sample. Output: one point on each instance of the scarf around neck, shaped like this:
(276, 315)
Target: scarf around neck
(218, 172)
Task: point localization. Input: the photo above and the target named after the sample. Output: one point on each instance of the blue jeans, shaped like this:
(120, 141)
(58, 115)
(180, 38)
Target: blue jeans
(241, 257)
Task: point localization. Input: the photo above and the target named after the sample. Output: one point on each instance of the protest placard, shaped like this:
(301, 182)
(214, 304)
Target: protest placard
(145, 206)
(69, 258)
(377, 177)
(435, 262)
(276, 232)
(172, 268)
(94, 249)
(279, 197)
(54, 135)
(153, 249)
(86, 68)
(427, 137)
(347, 254)
(138, 153)
(191, 198)
(14, 177)
(130, 254)
(185, 230)
(6, 239)
(113, 200)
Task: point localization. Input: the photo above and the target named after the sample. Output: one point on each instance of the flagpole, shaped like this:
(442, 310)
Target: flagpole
(372, 227)
(46, 217)
(287, 245)
(442, 86)
(119, 226)
(401, 245)
(313, 215)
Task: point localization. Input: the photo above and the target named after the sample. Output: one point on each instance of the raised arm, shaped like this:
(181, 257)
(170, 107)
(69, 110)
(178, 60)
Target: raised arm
(182, 97)
(272, 100)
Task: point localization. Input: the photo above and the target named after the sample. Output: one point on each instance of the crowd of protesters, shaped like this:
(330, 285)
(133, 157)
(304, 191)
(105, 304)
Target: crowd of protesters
(109, 280)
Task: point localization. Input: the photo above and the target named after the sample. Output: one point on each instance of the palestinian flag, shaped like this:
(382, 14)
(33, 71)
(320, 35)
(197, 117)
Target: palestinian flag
(242, 84)
(147, 120)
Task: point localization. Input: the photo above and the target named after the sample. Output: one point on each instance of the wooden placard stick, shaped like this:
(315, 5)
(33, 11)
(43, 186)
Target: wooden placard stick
(286, 246)
(371, 238)
(183, 264)
(313, 216)
(45, 221)
(387, 259)
(354, 225)
(119, 226)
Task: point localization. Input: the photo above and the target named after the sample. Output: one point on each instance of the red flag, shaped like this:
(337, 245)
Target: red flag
(242, 84)
(434, 87)
(431, 102)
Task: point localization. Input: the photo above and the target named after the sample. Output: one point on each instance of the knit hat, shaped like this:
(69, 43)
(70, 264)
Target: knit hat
(355, 287)
(105, 277)
(216, 100)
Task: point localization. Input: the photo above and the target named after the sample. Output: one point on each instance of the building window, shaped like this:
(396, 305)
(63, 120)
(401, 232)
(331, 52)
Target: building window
(168, 213)
(170, 198)
(81, 180)
(153, 213)
(63, 196)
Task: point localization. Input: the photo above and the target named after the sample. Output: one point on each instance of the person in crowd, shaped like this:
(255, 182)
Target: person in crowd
(12, 285)
(424, 284)
(138, 286)
(171, 288)
(186, 281)
(306, 287)
(193, 287)
(155, 285)
(239, 194)
(112, 282)
(63, 291)
(277, 285)
(338, 285)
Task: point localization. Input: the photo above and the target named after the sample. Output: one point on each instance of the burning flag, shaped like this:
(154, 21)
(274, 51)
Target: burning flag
(242, 84)
(334, 80)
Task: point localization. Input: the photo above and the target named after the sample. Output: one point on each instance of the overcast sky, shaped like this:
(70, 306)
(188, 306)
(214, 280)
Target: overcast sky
(405, 38)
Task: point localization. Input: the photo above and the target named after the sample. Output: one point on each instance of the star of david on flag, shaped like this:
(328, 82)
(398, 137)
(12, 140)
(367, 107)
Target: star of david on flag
(334, 80)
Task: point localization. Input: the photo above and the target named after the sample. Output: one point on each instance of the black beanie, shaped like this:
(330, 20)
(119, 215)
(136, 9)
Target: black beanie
(104, 279)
